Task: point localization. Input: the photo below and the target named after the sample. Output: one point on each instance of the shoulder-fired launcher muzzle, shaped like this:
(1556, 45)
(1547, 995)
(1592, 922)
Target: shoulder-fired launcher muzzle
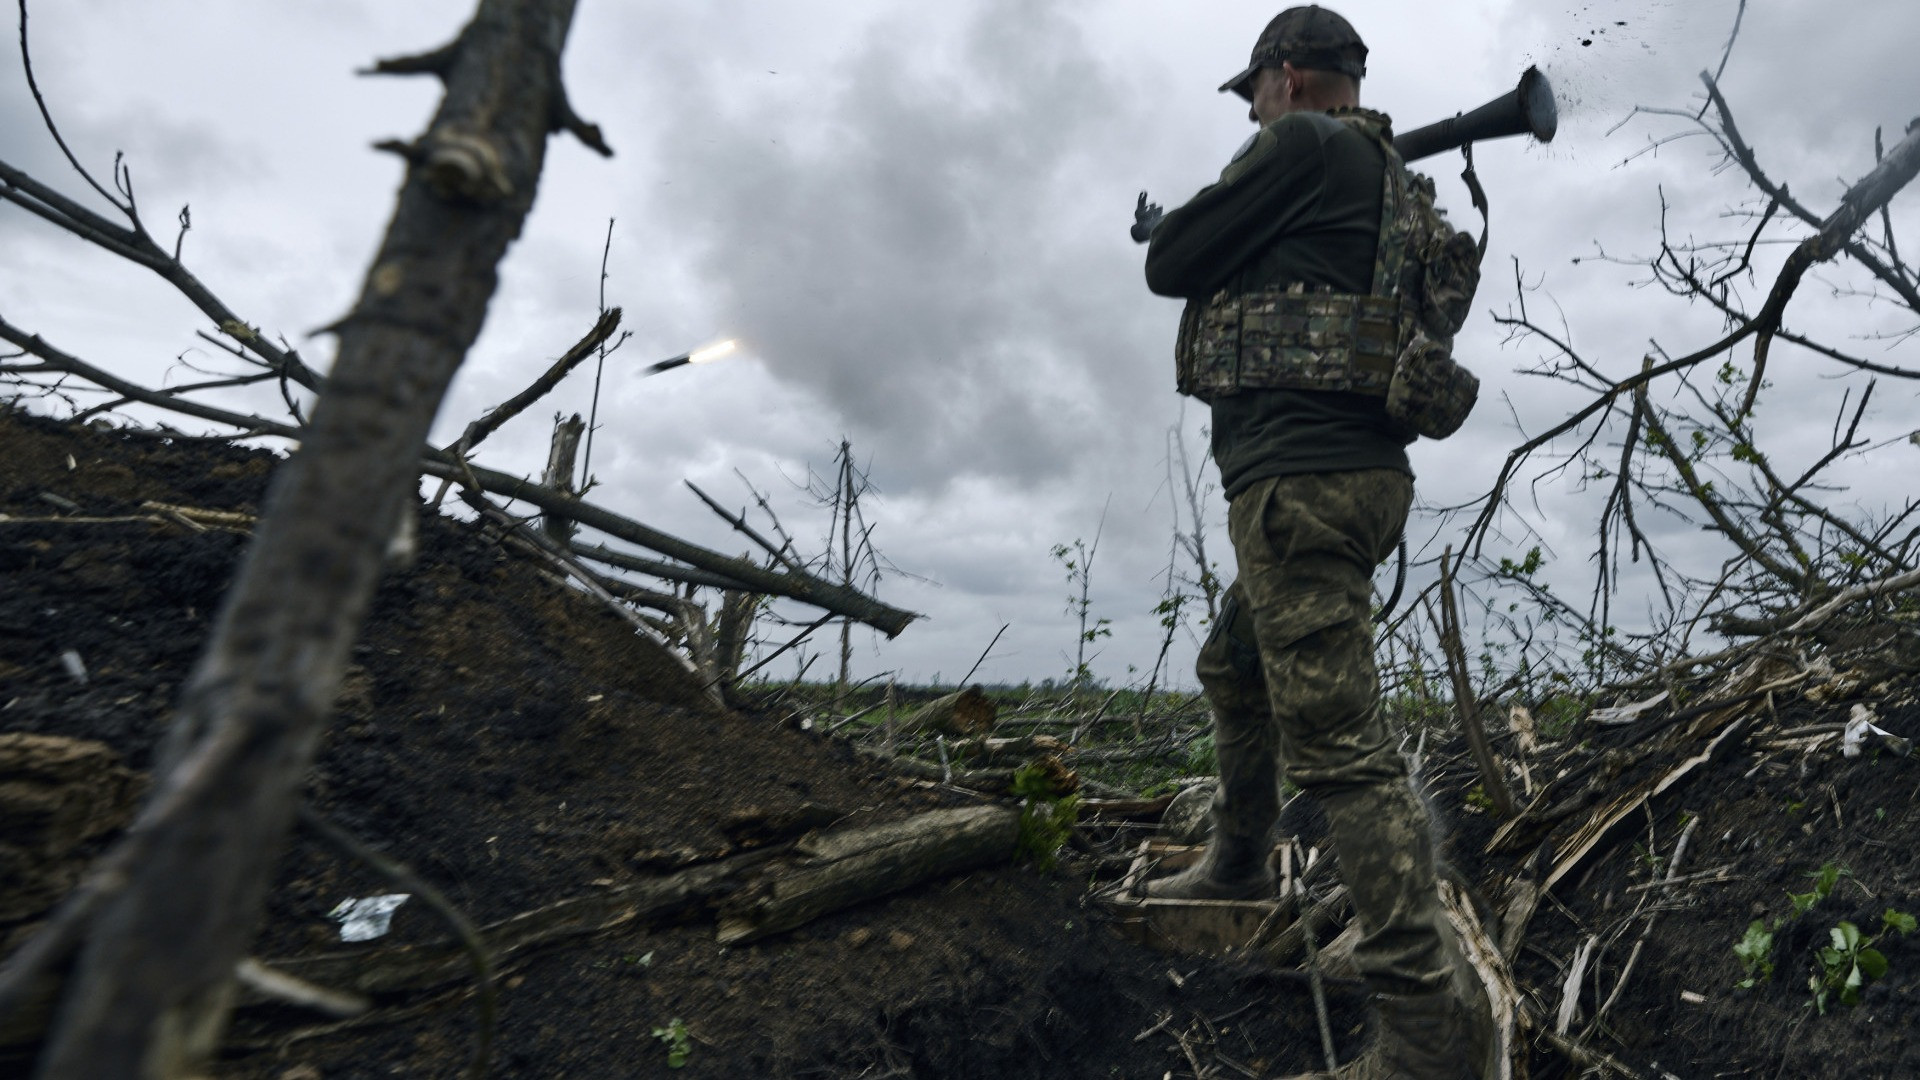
(1528, 109)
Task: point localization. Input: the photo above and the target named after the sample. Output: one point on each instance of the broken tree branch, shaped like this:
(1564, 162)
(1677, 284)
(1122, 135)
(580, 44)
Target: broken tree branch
(739, 524)
(747, 576)
(687, 575)
(720, 571)
(582, 350)
(154, 980)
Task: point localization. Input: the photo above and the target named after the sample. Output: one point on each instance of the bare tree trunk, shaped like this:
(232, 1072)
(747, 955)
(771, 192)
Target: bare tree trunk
(154, 977)
(559, 474)
(847, 496)
(734, 625)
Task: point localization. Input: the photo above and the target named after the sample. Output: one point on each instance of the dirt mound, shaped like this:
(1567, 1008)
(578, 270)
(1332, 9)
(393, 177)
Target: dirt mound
(516, 744)
(1761, 820)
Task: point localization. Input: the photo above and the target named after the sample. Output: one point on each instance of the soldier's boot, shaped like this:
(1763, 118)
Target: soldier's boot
(1419, 1037)
(1245, 806)
(1233, 867)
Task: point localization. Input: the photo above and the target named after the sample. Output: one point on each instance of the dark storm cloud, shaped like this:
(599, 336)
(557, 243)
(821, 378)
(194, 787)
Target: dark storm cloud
(918, 251)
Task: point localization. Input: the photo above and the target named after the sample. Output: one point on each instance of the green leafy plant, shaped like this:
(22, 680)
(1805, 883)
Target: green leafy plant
(678, 1041)
(1077, 560)
(1202, 757)
(1047, 815)
(1824, 880)
(1755, 950)
(1849, 961)
(1478, 799)
(1846, 967)
(1649, 860)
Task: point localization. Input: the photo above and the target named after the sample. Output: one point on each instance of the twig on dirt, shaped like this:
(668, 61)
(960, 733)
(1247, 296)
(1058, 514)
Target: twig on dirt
(1699, 877)
(403, 877)
(1185, 1048)
(1570, 986)
(1626, 972)
(1586, 1057)
(1155, 1029)
(276, 985)
(1317, 985)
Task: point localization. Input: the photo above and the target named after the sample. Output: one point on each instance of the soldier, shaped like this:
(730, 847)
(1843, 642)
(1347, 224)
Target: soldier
(1314, 271)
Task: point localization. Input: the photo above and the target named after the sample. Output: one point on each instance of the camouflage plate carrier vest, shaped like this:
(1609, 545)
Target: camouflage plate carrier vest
(1395, 342)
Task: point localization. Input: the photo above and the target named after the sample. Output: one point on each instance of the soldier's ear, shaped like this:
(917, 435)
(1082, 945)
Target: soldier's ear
(1296, 80)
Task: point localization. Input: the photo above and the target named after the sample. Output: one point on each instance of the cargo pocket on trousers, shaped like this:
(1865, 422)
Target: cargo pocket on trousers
(1233, 637)
(1293, 616)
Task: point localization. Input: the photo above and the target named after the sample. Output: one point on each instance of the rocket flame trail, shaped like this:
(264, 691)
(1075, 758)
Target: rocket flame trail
(698, 356)
(711, 352)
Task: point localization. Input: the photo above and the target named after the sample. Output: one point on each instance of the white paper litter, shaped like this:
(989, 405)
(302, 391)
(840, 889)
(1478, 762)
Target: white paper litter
(1860, 724)
(367, 918)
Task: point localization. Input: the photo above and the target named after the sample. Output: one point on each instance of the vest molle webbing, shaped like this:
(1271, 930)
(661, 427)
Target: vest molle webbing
(1291, 338)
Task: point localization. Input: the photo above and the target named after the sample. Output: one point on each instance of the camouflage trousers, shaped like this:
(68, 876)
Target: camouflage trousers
(1289, 672)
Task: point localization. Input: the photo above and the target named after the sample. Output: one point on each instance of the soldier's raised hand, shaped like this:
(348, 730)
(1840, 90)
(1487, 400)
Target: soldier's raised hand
(1146, 216)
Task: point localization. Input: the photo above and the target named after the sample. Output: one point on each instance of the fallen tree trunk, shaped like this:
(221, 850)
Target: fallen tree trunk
(839, 869)
(966, 712)
(746, 576)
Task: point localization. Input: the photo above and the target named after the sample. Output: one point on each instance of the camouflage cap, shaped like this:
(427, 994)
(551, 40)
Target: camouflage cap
(1307, 37)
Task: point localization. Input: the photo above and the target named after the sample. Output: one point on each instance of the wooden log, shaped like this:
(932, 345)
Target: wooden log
(965, 712)
(837, 870)
(990, 751)
(559, 474)
(992, 781)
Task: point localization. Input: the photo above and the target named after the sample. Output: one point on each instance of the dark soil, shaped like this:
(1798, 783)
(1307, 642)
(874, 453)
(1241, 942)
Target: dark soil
(1768, 820)
(517, 744)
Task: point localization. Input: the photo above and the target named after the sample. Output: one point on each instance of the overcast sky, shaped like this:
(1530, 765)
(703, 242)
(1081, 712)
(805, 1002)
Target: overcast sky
(913, 218)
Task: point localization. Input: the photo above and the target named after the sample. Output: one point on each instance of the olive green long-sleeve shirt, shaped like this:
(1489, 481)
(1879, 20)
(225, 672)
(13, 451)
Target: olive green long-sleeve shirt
(1299, 203)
